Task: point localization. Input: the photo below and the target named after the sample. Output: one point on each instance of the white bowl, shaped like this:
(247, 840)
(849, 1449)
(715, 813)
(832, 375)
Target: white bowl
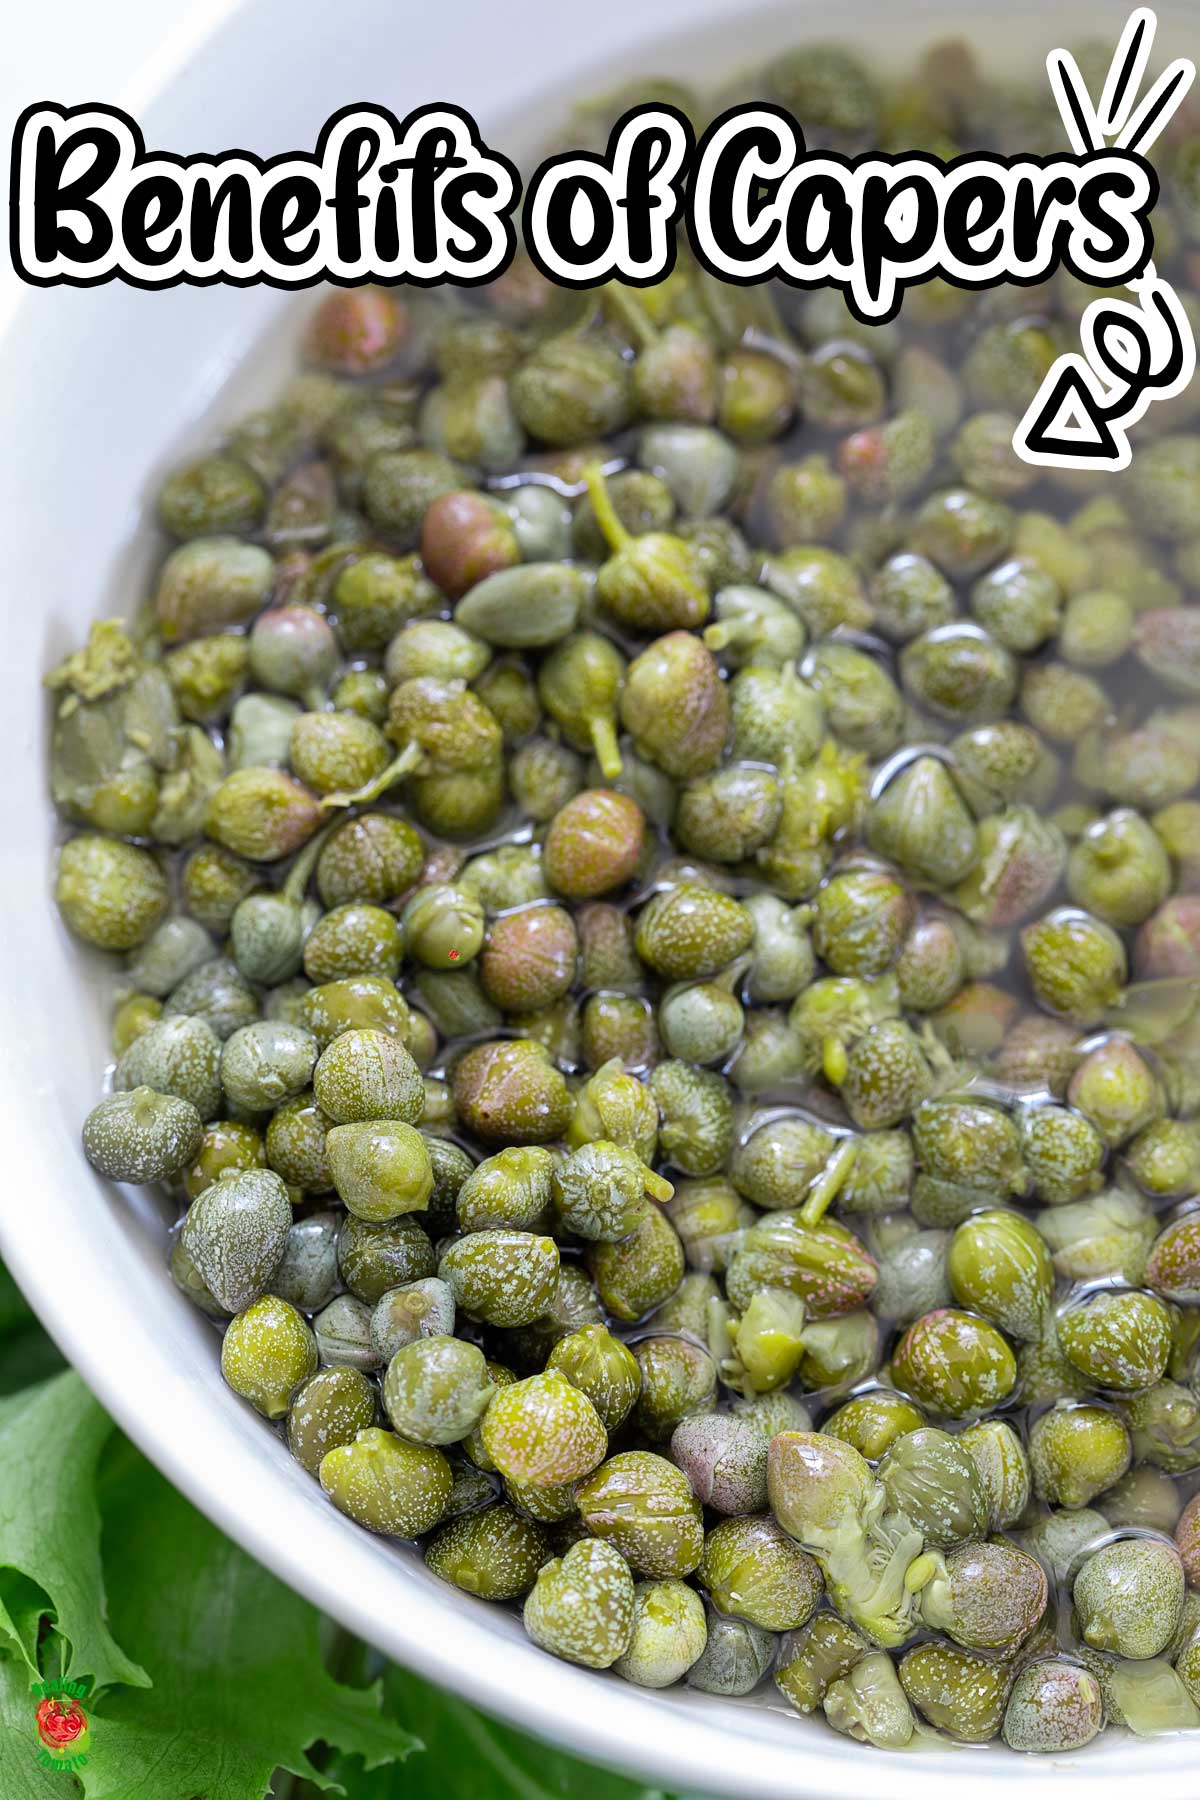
(102, 388)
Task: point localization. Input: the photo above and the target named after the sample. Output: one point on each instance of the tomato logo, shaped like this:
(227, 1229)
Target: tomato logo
(62, 1725)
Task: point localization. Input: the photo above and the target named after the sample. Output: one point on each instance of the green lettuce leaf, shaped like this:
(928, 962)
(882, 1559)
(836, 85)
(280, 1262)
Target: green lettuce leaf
(50, 1438)
(472, 1757)
(21, 1778)
(26, 1353)
(240, 1683)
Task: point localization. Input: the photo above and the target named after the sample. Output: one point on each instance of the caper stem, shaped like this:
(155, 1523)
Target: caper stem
(829, 1183)
(631, 314)
(410, 758)
(834, 1060)
(719, 636)
(657, 1186)
(305, 863)
(604, 742)
(615, 534)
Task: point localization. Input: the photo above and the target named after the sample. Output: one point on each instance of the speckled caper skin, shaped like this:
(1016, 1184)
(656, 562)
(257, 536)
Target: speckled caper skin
(696, 1116)
(1129, 1595)
(775, 1165)
(602, 1367)
(1076, 1452)
(373, 857)
(1054, 1706)
(922, 822)
(998, 1265)
(226, 1145)
(390, 1486)
(1173, 1265)
(1003, 1467)
(1116, 1090)
(962, 1141)
(725, 1461)
(110, 893)
(1076, 964)
(1058, 1539)
(367, 1075)
(510, 1092)
(679, 1379)
(355, 1003)
(543, 1431)
(436, 1390)
(353, 940)
(1164, 1158)
(170, 954)
(1118, 1340)
(343, 1333)
(307, 1273)
(529, 959)
(267, 1352)
(262, 814)
(598, 1191)
(986, 1596)
(189, 1281)
(688, 932)
(141, 1136)
(669, 1633)
(886, 1076)
(504, 1278)
(131, 1016)
(1063, 1153)
(402, 1315)
(644, 1506)
(754, 1570)
(380, 1168)
(954, 1363)
(266, 1063)
(582, 1606)
(374, 1256)
(509, 1190)
(495, 1553)
(735, 1658)
(235, 1233)
(594, 843)
(295, 1144)
(643, 1269)
(676, 707)
(862, 918)
(826, 1265)
(932, 1480)
(573, 1303)
(179, 1056)
(912, 1277)
(873, 1421)
(955, 1690)
(212, 882)
(216, 993)
(328, 1411)
(811, 1659)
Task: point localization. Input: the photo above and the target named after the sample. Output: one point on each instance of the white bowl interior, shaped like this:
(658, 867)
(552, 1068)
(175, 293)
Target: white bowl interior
(103, 389)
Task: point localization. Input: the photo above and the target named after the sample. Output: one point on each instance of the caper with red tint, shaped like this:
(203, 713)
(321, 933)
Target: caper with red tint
(594, 843)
